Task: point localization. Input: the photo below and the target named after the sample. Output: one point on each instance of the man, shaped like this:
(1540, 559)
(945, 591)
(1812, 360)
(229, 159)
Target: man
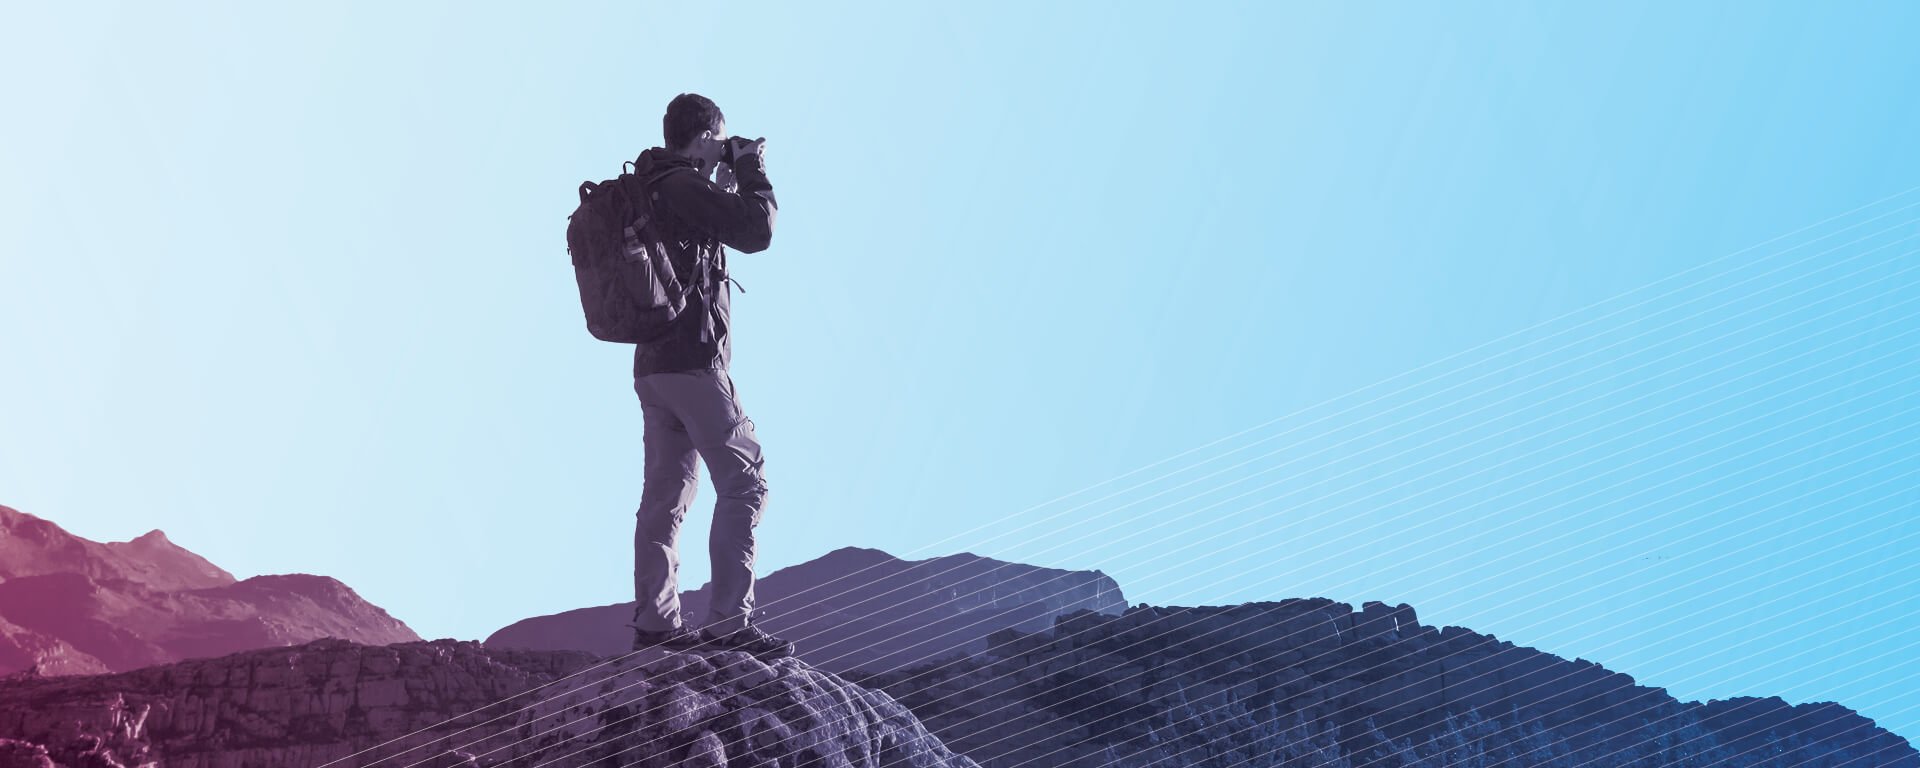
(691, 412)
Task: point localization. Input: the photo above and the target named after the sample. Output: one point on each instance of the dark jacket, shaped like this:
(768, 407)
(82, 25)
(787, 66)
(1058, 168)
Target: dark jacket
(699, 220)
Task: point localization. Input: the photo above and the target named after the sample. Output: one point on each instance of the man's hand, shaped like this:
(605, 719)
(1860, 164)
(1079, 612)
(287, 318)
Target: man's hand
(723, 175)
(744, 147)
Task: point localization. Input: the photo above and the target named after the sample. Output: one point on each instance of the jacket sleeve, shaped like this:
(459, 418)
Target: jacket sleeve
(742, 220)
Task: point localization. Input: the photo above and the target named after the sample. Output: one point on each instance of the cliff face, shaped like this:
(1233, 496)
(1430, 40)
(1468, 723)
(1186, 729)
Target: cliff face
(73, 606)
(1313, 680)
(864, 609)
(453, 703)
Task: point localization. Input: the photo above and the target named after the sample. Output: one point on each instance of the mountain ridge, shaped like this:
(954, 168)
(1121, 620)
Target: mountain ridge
(70, 605)
(1163, 686)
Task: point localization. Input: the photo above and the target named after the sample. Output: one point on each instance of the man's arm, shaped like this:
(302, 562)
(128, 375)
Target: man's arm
(742, 220)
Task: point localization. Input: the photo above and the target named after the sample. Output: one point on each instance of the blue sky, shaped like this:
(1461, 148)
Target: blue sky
(1589, 327)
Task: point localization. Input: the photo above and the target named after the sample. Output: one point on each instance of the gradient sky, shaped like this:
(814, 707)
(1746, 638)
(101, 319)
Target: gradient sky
(1591, 328)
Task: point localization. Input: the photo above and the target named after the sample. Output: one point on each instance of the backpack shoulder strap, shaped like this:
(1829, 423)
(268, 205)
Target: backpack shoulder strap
(645, 189)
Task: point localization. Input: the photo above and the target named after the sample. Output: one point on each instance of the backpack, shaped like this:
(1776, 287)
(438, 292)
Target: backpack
(628, 288)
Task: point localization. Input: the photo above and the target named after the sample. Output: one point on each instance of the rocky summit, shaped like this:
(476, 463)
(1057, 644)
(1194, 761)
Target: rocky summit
(446, 703)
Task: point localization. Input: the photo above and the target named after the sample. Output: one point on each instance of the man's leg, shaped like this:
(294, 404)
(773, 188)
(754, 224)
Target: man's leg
(706, 403)
(671, 478)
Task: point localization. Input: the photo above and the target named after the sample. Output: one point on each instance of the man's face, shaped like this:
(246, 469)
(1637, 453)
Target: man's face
(706, 150)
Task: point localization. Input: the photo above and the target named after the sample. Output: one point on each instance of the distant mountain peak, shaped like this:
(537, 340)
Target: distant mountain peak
(861, 554)
(73, 605)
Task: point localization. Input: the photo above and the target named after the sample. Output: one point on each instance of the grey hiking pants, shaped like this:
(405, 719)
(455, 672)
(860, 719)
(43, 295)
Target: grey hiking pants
(690, 416)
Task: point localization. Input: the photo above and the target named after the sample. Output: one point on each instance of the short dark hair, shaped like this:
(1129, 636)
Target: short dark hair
(687, 115)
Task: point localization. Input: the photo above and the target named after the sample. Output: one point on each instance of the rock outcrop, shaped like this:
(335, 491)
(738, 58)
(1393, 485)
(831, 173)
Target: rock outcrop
(73, 606)
(856, 608)
(1311, 681)
(451, 703)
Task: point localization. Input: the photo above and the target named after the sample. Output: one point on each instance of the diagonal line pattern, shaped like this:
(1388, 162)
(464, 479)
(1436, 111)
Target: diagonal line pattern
(1276, 639)
(1304, 410)
(1724, 555)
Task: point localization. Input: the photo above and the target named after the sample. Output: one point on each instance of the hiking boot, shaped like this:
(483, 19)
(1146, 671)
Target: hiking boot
(680, 638)
(750, 639)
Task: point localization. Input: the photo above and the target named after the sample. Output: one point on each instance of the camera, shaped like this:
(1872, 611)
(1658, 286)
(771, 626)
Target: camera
(726, 147)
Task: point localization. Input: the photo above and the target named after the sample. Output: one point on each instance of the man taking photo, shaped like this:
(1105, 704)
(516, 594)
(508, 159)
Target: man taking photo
(691, 412)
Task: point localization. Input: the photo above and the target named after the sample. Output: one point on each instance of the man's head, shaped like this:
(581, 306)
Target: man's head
(694, 127)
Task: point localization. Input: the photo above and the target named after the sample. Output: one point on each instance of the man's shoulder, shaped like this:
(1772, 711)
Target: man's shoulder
(675, 184)
(674, 175)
